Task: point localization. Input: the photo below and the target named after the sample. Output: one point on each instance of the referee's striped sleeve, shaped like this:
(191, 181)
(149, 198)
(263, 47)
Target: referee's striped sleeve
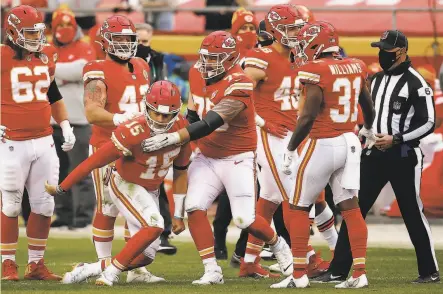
(424, 110)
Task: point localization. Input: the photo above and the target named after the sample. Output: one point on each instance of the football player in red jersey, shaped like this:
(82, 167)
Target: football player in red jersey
(334, 86)
(135, 183)
(276, 106)
(222, 111)
(27, 153)
(114, 88)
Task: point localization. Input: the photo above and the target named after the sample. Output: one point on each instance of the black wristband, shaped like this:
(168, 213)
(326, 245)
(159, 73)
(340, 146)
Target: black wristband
(397, 139)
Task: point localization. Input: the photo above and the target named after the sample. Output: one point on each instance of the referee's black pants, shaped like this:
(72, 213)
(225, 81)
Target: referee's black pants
(402, 167)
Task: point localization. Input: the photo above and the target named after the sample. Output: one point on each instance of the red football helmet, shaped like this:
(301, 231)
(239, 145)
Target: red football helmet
(163, 97)
(112, 37)
(283, 22)
(218, 53)
(22, 21)
(315, 39)
(306, 14)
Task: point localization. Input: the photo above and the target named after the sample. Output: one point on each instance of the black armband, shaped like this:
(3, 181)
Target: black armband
(202, 128)
(180, 167)
(54, 94)
(192, 116)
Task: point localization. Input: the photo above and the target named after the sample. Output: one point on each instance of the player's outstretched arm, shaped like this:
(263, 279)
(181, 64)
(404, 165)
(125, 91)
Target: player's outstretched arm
(95, 100)
(105, 155)
(222, 113)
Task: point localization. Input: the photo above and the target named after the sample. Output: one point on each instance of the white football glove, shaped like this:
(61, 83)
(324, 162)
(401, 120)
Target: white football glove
(369, 135)
(68, 136)
(120, 118)
(287, 162)
(3, 132)
(160, 141)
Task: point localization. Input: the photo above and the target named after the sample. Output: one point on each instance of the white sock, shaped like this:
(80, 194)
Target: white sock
(310, 253)
(279, 245)
(103, 249)
(9, 256)
(210, 263)
(250, 258)
(330, 235)
(96, 267)
(113, 270)
(35, 255)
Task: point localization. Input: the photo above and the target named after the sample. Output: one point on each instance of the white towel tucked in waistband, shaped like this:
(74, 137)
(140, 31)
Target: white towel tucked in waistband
(351, 174)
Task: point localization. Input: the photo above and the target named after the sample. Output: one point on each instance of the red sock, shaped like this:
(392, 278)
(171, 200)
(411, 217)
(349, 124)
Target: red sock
(201, 233)
(266, 209)
(358, 238)
(261, 229)
(37, 231)
(127, 234)
(9, 235)
(135, 246)
(103, 234)
(139, 261)
(299, 241)
(287, 214)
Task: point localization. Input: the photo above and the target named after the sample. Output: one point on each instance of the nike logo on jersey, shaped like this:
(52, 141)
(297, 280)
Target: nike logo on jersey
(238, 161)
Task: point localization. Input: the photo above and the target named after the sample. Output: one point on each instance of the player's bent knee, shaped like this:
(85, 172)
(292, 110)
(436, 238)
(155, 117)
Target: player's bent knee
(43, 207)
(243, 222)
(155, 219)
(10, 208)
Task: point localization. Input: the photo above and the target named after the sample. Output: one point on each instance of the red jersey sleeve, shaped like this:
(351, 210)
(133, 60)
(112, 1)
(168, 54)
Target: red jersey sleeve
(258, 58)
(52, 54)
(240, 88)
(105, 155)
(128, 135)
(86, 51)
(312, 73)
(93, 70)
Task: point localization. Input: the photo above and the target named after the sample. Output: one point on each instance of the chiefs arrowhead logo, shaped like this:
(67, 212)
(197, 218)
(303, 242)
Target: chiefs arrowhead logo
(105, 25)
(13, 20)
(229, 43)
(273, 16)
(248, 18)
(311, 33)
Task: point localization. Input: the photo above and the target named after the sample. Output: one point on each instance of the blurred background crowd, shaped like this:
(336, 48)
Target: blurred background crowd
(170, 32)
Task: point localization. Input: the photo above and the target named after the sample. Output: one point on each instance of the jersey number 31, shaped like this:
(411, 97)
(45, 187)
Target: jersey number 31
(349, 100)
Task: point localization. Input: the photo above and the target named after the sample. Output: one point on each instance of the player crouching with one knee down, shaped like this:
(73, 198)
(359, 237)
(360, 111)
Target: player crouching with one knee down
(135, 182)
(332, 152)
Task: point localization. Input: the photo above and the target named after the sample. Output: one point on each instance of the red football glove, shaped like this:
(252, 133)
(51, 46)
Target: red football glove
(276, 130)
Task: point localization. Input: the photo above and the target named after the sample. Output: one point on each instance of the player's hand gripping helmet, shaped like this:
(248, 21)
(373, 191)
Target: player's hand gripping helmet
(315, 39)
(218, 53)
(162, 99)
(118, 37)
(283, 22)
(25, 28)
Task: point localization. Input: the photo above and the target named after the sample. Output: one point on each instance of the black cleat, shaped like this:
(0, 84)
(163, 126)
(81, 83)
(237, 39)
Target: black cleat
(433, 278)
(328, 277)
(166, 247)
(235, 261)
(221, 254)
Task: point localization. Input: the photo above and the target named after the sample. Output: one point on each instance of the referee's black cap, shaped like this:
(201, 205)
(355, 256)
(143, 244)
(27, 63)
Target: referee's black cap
(391, 39)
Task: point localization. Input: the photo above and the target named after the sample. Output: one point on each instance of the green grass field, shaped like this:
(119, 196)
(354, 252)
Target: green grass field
(389, 271)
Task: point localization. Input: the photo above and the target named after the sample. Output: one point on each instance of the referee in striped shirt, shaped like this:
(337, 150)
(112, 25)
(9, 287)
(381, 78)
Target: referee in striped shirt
(405, 113)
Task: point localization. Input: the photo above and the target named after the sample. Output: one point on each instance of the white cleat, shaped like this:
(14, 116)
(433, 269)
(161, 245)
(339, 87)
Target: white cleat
(106, 279)
(291, 282)
(354, 283)
(275, 268)
(283, 254)
(142, 275)
(211, 277)
(80, 273)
